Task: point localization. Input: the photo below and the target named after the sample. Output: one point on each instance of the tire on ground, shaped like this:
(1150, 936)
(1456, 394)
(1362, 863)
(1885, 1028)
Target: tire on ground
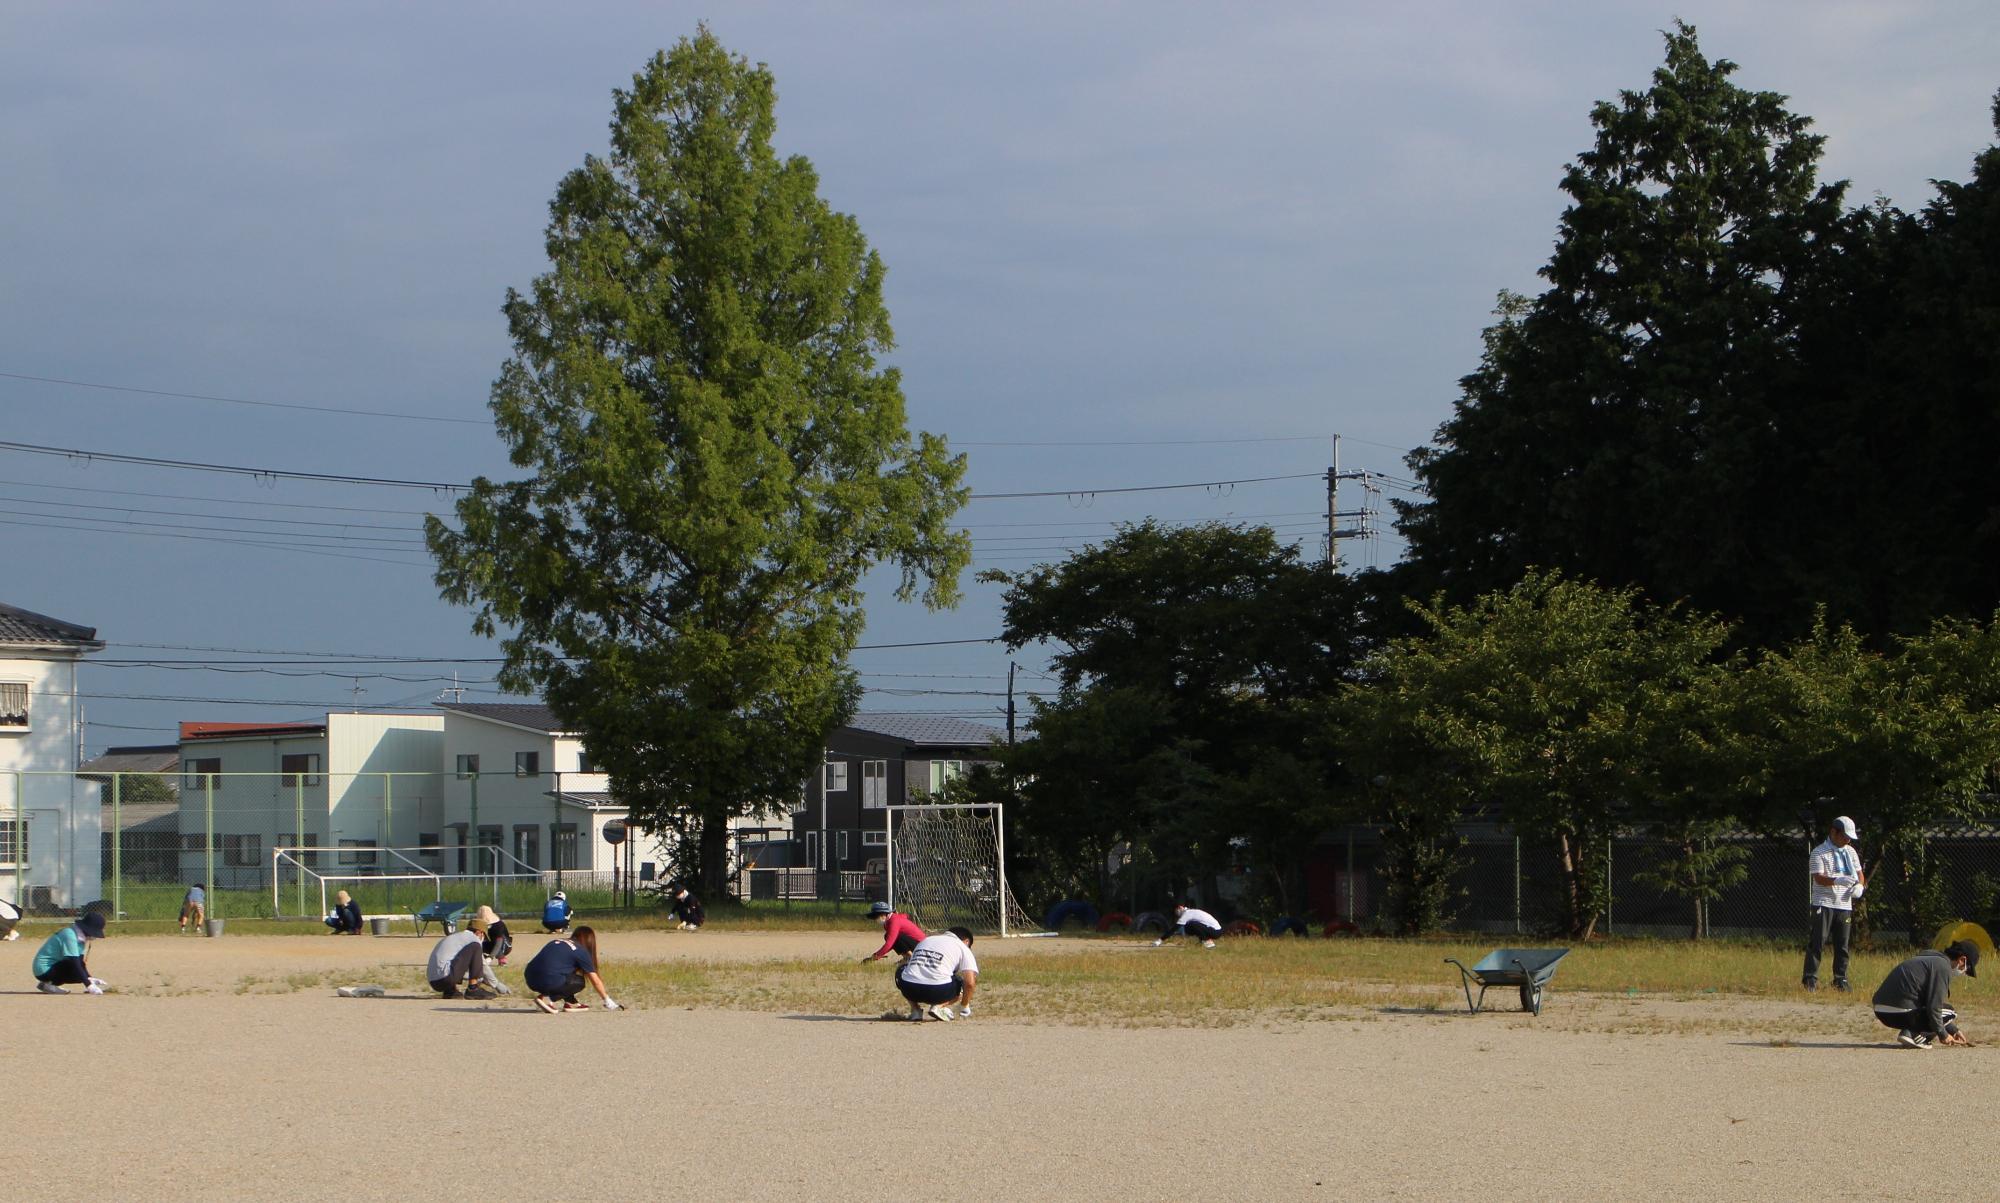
(1243, 927)
(1290, 925)
(1150, 921)
(1117, 920)
(1062, 912)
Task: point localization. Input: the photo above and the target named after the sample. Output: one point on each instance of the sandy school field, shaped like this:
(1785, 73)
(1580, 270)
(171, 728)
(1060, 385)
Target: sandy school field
(228, 1069)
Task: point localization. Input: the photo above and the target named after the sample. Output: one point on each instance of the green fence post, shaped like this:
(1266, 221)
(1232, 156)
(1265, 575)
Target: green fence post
(117, 846)
(299, 834)
(208, 847)
(1608, 888)
(555, 833)
(389, 830)
(1350, 880)
(472, 832)
(20, 825)
(1517, 885)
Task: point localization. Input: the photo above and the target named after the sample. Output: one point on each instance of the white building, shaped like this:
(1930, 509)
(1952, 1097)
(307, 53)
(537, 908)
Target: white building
(41, 735)
(516, 780)
(351, 782)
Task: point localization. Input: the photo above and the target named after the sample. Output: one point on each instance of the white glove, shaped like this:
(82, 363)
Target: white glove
(965, 1012)
(98, 981)
(93, 988)
(1157, 943)
(610, 1005)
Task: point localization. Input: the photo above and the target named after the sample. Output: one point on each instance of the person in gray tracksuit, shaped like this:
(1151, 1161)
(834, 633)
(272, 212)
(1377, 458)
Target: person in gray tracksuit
(1915, 998)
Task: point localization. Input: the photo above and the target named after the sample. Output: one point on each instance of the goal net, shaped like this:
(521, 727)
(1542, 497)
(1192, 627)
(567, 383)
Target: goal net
(398, 881)
(947, 868)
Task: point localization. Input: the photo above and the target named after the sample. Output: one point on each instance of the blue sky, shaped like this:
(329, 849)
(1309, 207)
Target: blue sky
(1118, 223)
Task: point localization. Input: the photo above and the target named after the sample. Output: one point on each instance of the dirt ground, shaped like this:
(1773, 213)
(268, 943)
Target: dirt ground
(176, 1086)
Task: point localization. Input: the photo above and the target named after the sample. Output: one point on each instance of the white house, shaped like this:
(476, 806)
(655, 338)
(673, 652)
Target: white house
(516, 780)
(41, 734)
(351, 782)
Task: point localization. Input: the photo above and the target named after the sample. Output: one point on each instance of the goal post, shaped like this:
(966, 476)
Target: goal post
(386, 880)
(947, 865)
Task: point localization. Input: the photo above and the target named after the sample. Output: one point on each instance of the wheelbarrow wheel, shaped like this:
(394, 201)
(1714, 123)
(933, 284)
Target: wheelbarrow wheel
(1531, 998)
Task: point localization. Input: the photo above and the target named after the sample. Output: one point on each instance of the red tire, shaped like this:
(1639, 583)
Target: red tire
(1341, 927)
(1243, 927)
(1116, 919)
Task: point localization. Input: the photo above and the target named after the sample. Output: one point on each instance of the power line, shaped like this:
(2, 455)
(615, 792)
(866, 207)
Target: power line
(1196, 484)
(321, 409)
(317, 552)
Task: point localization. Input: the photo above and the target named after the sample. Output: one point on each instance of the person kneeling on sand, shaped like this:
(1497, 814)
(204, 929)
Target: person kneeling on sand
(900, 933)
(1196, 923)
(346, 917)
(556, 915)
(687, 909)
(459, 960)
(940, 972)
(59, 962)
(557, 973)
(499, 941)
(1914, 999)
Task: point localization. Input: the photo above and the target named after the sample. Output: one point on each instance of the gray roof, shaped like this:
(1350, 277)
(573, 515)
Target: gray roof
(589, 798)
(26, 626)
(152, 758)
(937, 730)
(532, 715)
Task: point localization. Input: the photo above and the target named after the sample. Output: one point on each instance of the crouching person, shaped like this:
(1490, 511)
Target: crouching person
(558, 972)
(940, 972)
(1915, 998)
(458, 967)
(59, 962)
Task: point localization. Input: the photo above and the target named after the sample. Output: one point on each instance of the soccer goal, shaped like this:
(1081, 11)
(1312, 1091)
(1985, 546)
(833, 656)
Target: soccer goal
(393, 881)
(947, 866)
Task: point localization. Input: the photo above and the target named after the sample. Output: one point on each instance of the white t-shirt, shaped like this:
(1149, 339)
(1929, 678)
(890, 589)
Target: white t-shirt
(1830, 861)
(1196, 915)
(935, 961)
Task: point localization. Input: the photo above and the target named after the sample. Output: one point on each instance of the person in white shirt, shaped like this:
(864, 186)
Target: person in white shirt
(1195, 923)
(939, 973)
(1834, 869)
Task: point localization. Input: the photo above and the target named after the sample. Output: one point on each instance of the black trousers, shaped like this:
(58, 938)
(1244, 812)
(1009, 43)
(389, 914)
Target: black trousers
(566, 990)
(925, 992)
(1201, 931)
(1919, 1021)
(67, 972)
(1827, 925)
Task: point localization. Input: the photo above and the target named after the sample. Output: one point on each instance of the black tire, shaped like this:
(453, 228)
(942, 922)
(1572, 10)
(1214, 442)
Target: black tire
(1147, 921)
(1062, 912)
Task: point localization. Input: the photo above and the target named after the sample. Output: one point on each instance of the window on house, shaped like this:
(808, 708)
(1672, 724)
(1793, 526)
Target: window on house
(357, 852)
(242, 851)
(583, 764)
(812, 850)
(527, 764)
(874, 839)
(293, 769)
(468, 765)
(13, 705)
(294, 842)
(428, 844)
(528, 846)
(192, 841)
(199, 770)
(11, 829)
(840, 847)
(875, 783)
(836, 777)
(562, 845)
(944, 772)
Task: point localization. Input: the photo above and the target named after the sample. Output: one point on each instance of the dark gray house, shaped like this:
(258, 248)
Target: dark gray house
(842, 822)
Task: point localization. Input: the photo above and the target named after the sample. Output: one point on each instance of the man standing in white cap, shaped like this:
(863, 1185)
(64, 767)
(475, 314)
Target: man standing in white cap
(1837, 880)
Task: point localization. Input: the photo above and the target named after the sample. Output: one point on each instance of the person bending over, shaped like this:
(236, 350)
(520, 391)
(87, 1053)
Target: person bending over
(1915, 998)
(194, 908)
(939, 973)
(499, 941)
(687, 908)
(900, 933)
(59, 962)
(1195, 923)
(346, 917)
(458, 962)
(557, 973)
(556, 915)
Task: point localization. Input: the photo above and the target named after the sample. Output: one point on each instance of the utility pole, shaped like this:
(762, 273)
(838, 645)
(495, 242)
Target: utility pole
(1011, 666)
(1332, 508)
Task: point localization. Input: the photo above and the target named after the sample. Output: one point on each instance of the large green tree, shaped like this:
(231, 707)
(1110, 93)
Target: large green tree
(1566, 710)
(713, 456)
(1637, 422)
(1188, 662)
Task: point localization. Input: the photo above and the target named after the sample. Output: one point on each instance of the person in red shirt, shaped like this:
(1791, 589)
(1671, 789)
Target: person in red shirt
(899, 932)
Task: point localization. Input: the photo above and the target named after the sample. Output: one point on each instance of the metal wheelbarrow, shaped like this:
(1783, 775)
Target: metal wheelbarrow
(1528, 968)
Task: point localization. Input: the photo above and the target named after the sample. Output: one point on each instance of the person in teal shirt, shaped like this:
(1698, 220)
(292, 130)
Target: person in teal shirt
(60, 961)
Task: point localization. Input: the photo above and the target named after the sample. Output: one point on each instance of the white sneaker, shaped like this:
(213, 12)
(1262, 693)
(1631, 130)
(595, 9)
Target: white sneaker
(1913, 1039)
(13, 935)
(50, 988)
(916, 1013)
(546, 1004)
(93, 988)
(942, 1013)
(1208, 944)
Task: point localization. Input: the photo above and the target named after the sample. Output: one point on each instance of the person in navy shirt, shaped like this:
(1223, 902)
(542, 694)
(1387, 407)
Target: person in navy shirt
(556, 915)
(557, 973)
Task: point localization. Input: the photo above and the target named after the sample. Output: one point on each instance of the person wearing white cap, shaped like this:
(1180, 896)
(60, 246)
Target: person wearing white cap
(1836, 881)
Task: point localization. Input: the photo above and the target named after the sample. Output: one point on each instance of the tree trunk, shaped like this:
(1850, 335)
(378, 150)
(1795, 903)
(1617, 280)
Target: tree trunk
(1582, 918)
(713, 871)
